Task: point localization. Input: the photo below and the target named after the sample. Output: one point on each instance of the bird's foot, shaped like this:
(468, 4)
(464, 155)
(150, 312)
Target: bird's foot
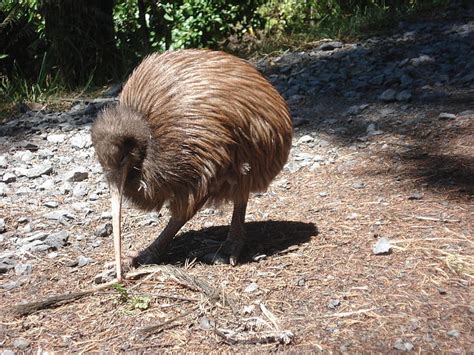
(110, 272)
(145, 257)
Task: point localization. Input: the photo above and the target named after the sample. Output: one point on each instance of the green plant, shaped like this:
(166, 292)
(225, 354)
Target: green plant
(198, 23)
(122, 291)
(18, 88)
(312, 19)
(140, 302)
(133, 302)
(20, 37)
(284, 15)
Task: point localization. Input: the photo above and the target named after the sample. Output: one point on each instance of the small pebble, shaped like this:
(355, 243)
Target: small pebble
(76, 175)
(403, 345)
(9, 178)
(208, 224)
(96, 243)
(329, 46)
(106, 215)
(333, 304)
(358, 185)
(83, 261)
(446, 116)
(248, 309)
(454, 333)
(104, 230)
(388, 95)
(56, 138)
(206, 324)
(3, 162)
(23, 220)
(3, 227)
(4, 189)
(305, 139)
(80, 189)
(105, 276)
(252, 287)
(23, 269)
(383, 246)
(59, 215)
(442, 291)
(259, 257)
(301, 282)
(21, 343)
(51, 204)
(415, 196)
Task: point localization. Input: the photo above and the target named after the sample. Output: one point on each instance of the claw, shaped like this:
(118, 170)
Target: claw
(126, 263)
(236, 248)
(145, 257)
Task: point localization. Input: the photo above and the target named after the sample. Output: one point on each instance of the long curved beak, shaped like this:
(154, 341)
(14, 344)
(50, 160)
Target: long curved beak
(116, 192)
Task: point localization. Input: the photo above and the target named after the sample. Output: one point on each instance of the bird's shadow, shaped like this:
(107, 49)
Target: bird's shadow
(263, 239)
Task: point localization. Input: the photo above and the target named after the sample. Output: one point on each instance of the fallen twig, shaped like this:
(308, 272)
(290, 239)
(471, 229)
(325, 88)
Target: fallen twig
(148, 330)
(434, 219)
(179, 275)
(56, 300)
(271, 317)
(347, 314)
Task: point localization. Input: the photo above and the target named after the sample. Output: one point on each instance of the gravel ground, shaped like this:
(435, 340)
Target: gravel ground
(363, 242)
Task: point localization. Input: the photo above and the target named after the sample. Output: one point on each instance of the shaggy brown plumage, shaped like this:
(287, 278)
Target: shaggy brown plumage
(193, 126)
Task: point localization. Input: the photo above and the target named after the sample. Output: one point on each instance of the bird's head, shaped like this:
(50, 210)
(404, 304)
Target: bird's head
(120, 137)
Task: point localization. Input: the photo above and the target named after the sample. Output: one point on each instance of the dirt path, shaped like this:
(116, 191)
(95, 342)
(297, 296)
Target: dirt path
(363, 169)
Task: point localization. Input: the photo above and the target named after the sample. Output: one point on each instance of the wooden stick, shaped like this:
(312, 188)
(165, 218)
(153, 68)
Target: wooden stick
(148, 330)
(179, 275)
(434, 219)
(56, 300)
(348, 314)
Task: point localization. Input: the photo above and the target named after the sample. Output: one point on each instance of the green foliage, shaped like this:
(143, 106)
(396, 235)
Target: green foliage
(140, 302)
(197, 23)
(180, 23)
(46, 45)
(127, 28)
(132, 302)
(20, 37)
(122, 291)
(283, 15)
(18, 88)
(335, 18)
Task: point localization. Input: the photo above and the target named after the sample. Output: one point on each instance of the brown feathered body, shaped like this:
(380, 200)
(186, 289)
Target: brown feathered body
(200, 126)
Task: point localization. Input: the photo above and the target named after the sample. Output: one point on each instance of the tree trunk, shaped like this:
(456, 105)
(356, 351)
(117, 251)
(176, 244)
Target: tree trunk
(82, 39)
(143, 25)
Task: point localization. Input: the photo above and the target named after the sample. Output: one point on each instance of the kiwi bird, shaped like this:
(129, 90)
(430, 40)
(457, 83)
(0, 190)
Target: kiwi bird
(191, 127)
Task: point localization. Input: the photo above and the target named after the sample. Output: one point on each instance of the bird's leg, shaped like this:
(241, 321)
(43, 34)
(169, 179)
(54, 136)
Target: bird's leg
(152, 253)
(229, 252)
(236, 237)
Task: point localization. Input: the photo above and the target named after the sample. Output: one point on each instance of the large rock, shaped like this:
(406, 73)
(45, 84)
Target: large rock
(388, 95)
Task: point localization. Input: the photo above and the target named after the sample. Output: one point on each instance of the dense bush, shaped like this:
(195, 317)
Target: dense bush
(80, 41)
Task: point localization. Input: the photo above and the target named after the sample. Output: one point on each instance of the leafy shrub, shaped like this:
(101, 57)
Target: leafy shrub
(198, 23)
